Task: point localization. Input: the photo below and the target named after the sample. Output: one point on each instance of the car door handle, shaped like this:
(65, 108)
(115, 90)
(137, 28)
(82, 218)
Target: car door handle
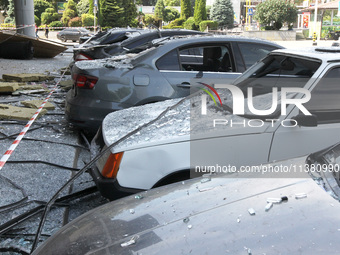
(184, 85)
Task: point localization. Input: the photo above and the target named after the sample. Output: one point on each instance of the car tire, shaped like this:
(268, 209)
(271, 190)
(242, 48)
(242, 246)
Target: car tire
(63, 39)
(73, 40)
(326, 37)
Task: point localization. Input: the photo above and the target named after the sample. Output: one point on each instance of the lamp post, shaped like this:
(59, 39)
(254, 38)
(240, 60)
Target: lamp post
(315, 21)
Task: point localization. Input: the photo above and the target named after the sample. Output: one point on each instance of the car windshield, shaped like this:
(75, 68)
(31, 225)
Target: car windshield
(276, 71)
(83, 30)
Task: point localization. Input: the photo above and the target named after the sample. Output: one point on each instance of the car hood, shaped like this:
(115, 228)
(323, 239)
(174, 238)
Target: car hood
(209, 217)
(177, 120)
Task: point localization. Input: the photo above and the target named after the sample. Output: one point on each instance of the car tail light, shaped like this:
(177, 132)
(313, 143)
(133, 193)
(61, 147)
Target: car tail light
(84, 81)
(81, 57)
(112, 164)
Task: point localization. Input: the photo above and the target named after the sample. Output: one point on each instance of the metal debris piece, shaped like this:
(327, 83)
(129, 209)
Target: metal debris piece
(205, 189)
(189, 226)
(132, 211)
(205, 180)
(140, 196)
(251, 211)
(186, 220)
(238, 220)
(128, 243)
(274, 200)
(268, 206)
(300, 195)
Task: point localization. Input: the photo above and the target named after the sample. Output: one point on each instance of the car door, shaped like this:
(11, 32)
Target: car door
(325, 105)
(200, 61)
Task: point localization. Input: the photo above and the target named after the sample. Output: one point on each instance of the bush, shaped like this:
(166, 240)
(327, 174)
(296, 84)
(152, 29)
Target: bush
(177, 23)
(190, 24)
(75, 22)
(87, 20)
(49, 15)
(212, 25)
(56, 24)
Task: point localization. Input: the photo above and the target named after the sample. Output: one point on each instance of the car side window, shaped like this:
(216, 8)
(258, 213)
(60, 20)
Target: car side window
(206, 58)
(324, 102)
(252, 52)
(169, 61)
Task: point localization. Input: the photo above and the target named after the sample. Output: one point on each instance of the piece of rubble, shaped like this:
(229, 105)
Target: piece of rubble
(8, 87)
(66, 70)
(37, 103)
(32, 87)
(27, 92)
(67, 84)
(26, 77)
(18, 113)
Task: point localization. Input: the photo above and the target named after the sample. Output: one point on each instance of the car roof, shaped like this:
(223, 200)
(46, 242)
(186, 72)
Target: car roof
(326, 54)
(215, 38)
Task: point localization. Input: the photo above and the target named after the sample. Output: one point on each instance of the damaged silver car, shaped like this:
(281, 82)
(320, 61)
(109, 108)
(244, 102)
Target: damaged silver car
(237, 213)
(156, 74)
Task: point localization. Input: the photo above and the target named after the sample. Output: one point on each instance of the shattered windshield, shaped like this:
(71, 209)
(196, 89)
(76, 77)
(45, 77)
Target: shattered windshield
(268, 77)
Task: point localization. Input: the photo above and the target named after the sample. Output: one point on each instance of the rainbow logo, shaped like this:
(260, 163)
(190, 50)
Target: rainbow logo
(209, 93)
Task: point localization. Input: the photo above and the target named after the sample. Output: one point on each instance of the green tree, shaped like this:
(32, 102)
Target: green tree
(185, 9)
(40, 6)
(91, 5)
(49, 15)
(130, 12)
(83, 7)
(111, 14)
(170, 14)
(87, 19)
(159, 9)
(4, 4)
(172, 2)
(222, 12)
(10, 13)
(273, 13)
(70, 12)
(200, 12)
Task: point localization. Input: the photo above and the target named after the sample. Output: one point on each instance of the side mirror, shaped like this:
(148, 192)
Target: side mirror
(306, 120)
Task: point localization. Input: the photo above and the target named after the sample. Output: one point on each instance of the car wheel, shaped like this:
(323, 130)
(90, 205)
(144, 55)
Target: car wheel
(63, 39)
(326, 37)
(73, 40)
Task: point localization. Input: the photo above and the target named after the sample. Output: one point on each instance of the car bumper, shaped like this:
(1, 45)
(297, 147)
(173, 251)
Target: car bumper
(109, 188)
(87, 113)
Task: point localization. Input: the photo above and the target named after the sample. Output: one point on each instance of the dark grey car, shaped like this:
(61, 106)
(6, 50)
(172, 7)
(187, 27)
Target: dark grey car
(227, 214)
(72, 34)
(159, 73)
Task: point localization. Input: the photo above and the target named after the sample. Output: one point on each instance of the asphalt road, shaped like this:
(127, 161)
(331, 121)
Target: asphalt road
(51, 153)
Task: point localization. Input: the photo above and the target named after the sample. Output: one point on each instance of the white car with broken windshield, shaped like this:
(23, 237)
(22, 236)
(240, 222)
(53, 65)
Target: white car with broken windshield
(289, 107)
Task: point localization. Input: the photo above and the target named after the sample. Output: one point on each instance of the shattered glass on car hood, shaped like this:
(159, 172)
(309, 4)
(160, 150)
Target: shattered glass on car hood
(180, 119)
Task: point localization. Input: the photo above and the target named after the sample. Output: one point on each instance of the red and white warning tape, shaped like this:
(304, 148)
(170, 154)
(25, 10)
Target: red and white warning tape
(11, 149)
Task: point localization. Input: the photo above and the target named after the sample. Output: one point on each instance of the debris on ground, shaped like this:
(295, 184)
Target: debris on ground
(26, 77)
(37, 103)
(65, 70)
(18, 113)
(66, 85)
(9, 87)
